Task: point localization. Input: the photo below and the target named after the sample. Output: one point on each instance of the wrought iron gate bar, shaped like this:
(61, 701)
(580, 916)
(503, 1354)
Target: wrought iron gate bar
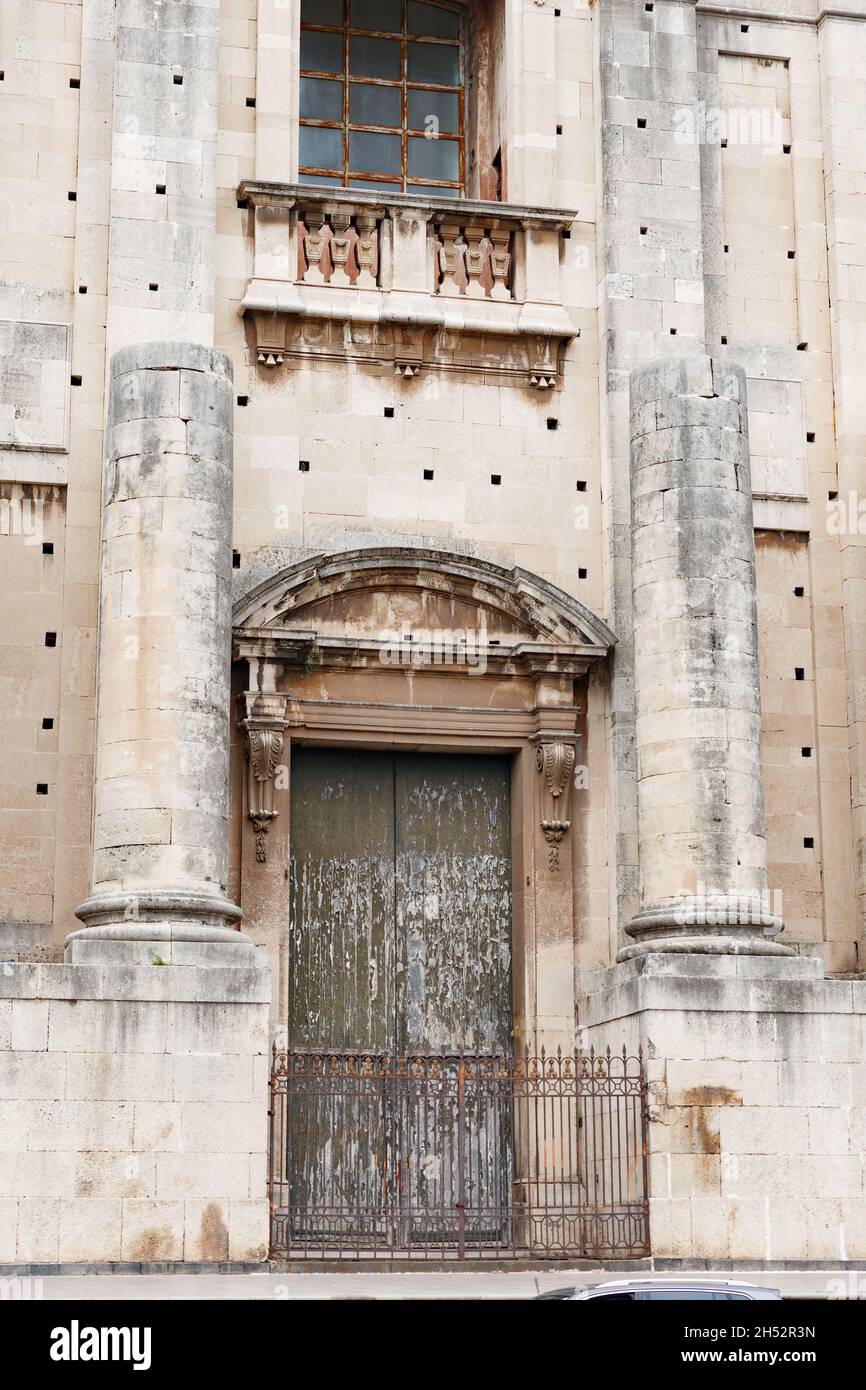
(454, 1155)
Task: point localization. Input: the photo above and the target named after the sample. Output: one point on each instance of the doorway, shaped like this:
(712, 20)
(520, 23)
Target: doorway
(400, 963)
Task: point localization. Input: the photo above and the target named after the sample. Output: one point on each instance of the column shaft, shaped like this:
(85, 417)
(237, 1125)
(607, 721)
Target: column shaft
(161, 794)
(701, 827)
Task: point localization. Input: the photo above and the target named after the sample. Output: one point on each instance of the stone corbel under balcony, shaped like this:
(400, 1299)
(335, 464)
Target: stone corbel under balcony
(416, 282)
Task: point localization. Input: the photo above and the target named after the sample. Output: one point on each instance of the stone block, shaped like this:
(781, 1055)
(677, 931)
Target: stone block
(710, 1228)
(114, 1174)
(249, 1230)
(695, 1175)
(671, 1228)
(152, 1231)
(8, 1230)
(228, 1078)
(685, 1129)
(38, 1230)
(226, 1127)
(758, 1130)
(157, 1127)
(30, 1025)
(80, 1125)
(207, 1174)
(748, 1229)
(206, 1231)
(32, 1076)
(815, 1084)
(120, 1076)
(90, 1231)
(14, 1125)
(830, 1130)
(221, 1030)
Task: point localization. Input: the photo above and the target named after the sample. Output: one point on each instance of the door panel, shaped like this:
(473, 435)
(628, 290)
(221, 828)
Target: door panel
(453, 916)
(453, 903)
(341, 951)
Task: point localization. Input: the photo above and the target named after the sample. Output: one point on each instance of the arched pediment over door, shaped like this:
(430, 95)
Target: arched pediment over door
(347, 603)
(418, 652)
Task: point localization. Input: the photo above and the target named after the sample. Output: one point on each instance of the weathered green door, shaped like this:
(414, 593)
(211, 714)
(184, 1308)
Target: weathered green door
(341, 940)
(452, 903)
(400, 944)
(401, 902)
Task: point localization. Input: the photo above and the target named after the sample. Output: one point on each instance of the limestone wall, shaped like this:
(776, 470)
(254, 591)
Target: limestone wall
(611, 109)
(757, 1103)
(133, 1112)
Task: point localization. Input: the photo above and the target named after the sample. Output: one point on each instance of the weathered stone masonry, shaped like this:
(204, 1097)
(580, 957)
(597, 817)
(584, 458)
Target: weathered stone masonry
(683, 356)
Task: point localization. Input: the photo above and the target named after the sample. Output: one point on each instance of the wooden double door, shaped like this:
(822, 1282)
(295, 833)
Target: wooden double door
(400, 947)
(400, 935)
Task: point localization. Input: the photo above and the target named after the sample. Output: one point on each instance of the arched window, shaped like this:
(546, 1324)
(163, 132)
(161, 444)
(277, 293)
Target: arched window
(381, 99)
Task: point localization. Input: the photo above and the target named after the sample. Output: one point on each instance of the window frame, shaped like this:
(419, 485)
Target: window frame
(404, 182)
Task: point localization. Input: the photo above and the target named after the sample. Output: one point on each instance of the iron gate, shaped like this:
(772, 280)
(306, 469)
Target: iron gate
(450, 1156)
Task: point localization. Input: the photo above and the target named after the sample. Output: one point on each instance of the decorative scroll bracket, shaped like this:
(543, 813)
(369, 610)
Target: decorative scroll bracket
(555, 758)
(264, 730)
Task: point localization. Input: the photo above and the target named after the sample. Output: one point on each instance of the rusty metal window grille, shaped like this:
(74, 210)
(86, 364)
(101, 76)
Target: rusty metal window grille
(382, 96)
(451, 1156)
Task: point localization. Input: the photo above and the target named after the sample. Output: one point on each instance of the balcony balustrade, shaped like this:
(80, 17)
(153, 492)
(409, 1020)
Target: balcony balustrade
(421, 282)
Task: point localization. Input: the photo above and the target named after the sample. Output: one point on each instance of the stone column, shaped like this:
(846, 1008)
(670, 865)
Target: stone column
(701, 833)
(160, 845)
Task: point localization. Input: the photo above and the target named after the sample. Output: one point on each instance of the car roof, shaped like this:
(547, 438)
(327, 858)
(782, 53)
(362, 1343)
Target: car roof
(674, 1282)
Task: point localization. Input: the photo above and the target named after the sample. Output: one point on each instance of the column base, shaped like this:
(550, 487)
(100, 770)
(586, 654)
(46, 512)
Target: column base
(174, 927)
(719, 924)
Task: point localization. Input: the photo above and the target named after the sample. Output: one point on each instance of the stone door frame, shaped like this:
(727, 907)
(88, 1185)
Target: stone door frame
(314, 687)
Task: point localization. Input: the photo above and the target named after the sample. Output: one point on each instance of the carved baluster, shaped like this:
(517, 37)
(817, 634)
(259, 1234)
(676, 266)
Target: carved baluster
(475, 258)
(340, 246)
(314, 247)
(500, 263)
(450, 258)
(366, 224)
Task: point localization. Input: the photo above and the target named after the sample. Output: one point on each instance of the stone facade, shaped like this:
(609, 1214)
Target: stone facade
(756, 1098)
(607, 408)
(131, 1107)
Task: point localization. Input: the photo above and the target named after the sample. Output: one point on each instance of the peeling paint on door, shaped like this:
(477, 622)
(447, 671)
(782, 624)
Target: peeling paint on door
(400, 938)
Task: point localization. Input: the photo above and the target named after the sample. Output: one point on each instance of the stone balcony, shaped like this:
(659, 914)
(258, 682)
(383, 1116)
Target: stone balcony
(422, 283)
